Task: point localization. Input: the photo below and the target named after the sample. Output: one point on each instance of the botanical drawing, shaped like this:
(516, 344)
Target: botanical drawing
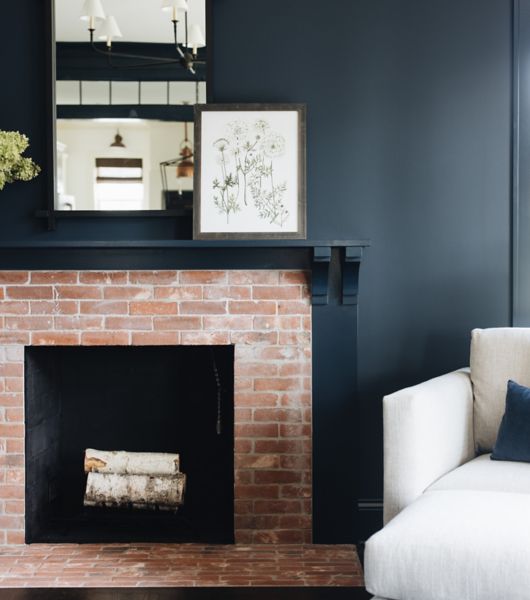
(246, 157)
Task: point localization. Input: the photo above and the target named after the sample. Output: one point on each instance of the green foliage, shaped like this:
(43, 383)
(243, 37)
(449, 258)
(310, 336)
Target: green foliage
(14, 166)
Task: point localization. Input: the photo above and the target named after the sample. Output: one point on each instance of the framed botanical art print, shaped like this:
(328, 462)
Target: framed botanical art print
(250, 178)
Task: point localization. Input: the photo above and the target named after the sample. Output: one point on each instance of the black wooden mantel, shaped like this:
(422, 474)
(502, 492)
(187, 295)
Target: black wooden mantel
(316, 256)
(334, 265)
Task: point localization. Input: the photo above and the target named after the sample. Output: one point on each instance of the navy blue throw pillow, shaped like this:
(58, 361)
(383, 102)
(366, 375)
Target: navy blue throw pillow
(513, 439)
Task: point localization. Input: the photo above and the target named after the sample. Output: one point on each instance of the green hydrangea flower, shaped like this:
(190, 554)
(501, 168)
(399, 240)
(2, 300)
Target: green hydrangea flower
(14, 166)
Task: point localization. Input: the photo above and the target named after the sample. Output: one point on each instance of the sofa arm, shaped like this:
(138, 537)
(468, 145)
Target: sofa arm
(428, 431)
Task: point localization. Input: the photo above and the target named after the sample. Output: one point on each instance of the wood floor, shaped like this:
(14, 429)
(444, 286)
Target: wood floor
(338, 593)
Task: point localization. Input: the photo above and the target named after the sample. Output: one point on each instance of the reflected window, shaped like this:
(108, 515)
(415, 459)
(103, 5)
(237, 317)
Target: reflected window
(119, 184)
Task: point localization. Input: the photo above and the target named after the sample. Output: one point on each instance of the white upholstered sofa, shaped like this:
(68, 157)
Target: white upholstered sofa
(457, 524)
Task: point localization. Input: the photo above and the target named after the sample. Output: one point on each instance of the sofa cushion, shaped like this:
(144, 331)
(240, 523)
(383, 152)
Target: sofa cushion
(513, 439)
(483, 474)
(447, 545)
(497, 355)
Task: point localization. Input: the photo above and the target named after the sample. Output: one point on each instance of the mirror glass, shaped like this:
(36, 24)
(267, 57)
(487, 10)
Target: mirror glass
(125, 91)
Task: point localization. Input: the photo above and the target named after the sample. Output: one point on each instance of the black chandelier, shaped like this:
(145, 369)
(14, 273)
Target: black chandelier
(109, 30)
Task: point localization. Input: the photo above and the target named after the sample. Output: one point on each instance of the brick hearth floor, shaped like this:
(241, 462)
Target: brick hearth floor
(180, 565)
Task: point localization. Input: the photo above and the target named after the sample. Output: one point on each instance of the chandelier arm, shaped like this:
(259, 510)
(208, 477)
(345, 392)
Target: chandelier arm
(179, 50)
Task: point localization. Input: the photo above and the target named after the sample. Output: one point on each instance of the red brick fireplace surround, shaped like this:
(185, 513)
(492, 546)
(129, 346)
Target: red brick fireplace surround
(266, 315)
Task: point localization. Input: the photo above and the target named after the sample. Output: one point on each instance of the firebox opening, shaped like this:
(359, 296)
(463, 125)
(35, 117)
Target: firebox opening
(137, 399)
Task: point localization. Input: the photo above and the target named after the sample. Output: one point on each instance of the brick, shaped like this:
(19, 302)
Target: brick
(255, 399)
(127, 293)
(293, 307)
(295, 399)
(15, 537)
(103, 277)
(11, 369)
(294, 338)
(36, 292)
(79, 292)
(11, 400)
(158, 338)
(277, 506)
(296, 462)
(104, 307)
(177, 323)
(279, 446)
(257, 492)
(13, 277)
(154, 277)
(233, 292)
(129, 323)
(202, 308)
(277, 384)
(14, 337)
(11, 430)
(256, 369)
(204, 338)
(264, 277)
(243, 323)
(14, 476)
(295, 491)
(14, 385)
(257, 521)
(14, 415)
(257, 430)
(252, 307)
(105, 338)
(79, 323)
(202, 277)
(278, 415)
(53, 277)
(54, 307)
(254, 337)
(14, 507)
(242, 415)
(292, 430)
(291, 323)
(261, 461)
(280, 292)
(295, 277)
(295, 368)
(242, 446)
(295, 521)
(50, 338)
(153, 308)
(29, 323)
(178, 293)
(14, 308)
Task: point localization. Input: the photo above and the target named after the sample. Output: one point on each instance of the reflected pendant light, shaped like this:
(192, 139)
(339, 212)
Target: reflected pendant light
(185, 165)
(118, 141)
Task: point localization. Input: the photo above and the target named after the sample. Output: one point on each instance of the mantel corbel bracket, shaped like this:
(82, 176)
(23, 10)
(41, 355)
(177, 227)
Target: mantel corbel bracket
(351, 260)
(320, 275)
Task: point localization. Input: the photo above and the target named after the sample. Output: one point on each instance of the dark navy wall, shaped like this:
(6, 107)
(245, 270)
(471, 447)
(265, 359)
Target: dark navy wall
(409, 124)
(409, 145)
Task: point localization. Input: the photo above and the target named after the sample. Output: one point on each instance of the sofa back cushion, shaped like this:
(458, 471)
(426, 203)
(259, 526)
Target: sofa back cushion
(497, 355)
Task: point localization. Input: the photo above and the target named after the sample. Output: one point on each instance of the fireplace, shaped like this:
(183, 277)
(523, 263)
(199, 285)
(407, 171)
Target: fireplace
(139, 399)
(61, 327)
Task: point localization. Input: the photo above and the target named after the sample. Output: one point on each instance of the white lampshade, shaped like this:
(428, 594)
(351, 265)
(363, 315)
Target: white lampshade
(109, 30)
(92, 11)
(195, 37)
(174, 5)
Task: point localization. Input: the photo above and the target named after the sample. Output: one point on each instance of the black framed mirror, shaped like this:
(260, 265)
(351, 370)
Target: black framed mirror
(123, 79)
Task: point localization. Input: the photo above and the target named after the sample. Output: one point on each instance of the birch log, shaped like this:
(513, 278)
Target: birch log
(131, 463)
(136, 491)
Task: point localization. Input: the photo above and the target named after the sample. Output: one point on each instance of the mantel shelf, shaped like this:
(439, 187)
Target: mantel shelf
(188, 244)
(334, 264)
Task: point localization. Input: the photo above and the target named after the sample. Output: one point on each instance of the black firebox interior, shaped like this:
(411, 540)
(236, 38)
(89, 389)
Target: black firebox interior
(143, 399)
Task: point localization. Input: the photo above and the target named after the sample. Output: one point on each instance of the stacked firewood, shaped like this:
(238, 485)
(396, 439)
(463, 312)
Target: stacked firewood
(144, 480)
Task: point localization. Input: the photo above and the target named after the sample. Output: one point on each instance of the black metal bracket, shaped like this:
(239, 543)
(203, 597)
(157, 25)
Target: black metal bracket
(320, 275)
(350, 263)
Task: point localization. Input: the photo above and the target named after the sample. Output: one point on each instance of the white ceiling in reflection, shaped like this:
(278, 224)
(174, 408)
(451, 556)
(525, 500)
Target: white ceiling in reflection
(139, 20)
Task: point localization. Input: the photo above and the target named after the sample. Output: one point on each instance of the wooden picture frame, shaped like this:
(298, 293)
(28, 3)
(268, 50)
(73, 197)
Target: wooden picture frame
(250, 172)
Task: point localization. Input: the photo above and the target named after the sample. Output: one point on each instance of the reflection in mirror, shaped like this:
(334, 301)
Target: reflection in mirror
(128, 75)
